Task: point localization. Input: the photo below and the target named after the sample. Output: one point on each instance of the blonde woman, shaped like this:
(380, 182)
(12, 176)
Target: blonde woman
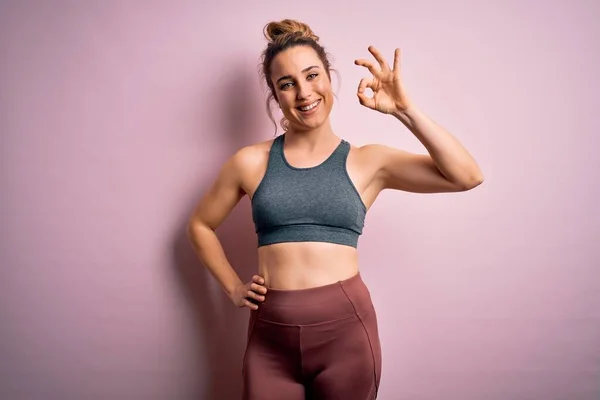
(313, 330)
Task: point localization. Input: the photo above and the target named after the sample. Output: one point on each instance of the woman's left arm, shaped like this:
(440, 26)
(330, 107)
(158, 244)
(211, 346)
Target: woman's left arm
(447, 167)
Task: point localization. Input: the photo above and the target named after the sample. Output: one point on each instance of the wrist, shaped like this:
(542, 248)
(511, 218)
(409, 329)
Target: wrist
(405, 115)
(231, 288)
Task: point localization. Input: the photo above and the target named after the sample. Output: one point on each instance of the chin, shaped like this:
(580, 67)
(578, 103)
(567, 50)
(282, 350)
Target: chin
(299, 126)
(308, 124)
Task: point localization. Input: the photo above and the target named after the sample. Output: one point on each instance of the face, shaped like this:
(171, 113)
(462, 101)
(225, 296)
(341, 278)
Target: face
(302, 87)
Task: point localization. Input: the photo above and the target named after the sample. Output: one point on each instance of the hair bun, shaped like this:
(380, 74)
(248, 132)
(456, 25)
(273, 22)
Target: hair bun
(288, 27)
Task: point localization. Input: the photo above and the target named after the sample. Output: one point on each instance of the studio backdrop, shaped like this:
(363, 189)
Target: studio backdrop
(116, 116)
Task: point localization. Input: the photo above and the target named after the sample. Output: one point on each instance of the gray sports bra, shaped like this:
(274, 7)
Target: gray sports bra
(315, 204)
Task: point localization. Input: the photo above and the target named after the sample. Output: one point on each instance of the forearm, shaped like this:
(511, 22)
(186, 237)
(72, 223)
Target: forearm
(450, 156)
(209, 249)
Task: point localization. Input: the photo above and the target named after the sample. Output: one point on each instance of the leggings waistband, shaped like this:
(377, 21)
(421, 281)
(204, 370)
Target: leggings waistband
(320, 304)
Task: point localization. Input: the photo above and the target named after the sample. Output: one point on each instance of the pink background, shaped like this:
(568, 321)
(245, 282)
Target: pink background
(116, 116)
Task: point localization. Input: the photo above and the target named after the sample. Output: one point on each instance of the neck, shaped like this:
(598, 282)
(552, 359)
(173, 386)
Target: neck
(312, 138)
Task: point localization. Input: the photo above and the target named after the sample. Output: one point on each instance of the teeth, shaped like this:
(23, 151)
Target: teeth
(309, 107)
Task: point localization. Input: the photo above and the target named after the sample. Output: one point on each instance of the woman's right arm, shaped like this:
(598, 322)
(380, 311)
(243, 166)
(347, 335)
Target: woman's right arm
(209, 213)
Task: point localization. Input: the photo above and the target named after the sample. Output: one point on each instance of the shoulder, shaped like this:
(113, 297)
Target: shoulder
(249, 161)
(252, 155)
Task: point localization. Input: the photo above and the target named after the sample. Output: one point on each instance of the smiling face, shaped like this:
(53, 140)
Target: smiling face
(302, 87)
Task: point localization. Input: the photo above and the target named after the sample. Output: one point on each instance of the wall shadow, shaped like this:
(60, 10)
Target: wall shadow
(220, 326)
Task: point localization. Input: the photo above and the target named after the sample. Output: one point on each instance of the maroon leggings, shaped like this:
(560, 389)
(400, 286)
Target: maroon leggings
(317, 343)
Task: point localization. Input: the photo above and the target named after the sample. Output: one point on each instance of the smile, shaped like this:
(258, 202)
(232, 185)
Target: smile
(309, 107)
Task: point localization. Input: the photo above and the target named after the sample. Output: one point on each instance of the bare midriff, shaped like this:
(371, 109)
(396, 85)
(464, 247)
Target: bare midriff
(303, 265)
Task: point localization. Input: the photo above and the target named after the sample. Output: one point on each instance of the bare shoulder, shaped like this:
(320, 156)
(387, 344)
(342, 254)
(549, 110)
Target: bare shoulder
(252, 156)
(250, 164)
(234, 179)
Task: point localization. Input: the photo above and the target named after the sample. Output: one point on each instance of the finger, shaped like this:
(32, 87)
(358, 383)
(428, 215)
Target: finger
(253, 295)
(380, 59)
(250, 305)
(369, 64)
(366, 101)
(364, 84)
(258, 279)
(362, 97)
(258, 289)
(397, 61)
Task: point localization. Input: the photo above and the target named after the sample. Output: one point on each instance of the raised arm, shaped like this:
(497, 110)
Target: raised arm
(448, 167)
(410, 172)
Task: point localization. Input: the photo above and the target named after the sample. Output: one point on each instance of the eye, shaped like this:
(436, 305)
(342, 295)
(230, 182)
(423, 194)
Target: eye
(313, 76)
(284, 86)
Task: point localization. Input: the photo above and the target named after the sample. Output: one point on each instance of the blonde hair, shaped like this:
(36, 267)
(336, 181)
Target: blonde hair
(281, 36)
(281, 30)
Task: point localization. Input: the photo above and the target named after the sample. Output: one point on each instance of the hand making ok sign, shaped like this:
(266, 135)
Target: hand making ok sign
(389, 96)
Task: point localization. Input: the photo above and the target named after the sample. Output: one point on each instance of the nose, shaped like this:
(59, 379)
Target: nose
(304, 90)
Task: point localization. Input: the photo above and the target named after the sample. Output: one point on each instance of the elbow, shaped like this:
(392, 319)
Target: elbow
(193, 230)
(196, 231)
(468, 179)
(195, 236)
(472, 182)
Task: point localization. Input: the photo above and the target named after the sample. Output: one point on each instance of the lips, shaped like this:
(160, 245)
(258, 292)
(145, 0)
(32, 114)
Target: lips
(309, 107)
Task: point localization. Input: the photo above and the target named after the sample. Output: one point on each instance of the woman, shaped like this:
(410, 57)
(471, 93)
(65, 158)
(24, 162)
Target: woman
(313, 330)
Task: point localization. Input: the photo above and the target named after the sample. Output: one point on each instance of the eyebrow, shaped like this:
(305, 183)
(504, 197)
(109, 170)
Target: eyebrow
(304, 70)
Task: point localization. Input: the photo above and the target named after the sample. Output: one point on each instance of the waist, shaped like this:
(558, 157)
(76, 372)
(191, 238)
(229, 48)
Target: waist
(302, 265)
(341, 299)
